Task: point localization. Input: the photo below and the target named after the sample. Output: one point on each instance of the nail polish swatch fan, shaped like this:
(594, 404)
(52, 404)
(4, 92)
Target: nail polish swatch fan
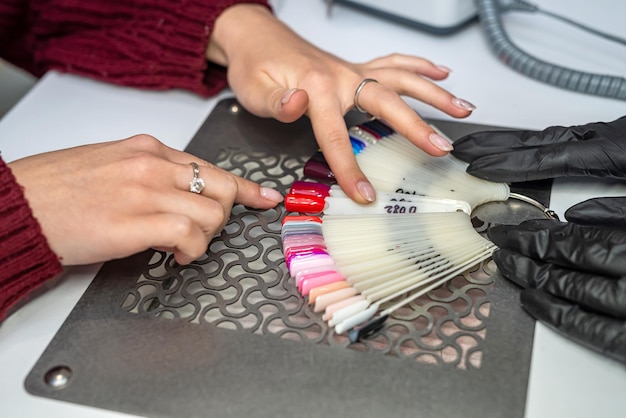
(356, 263)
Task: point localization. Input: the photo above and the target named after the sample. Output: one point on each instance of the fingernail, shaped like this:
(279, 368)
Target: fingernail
(366, 191)
(271, 194)
(287, 96)
(444, 68)
(463, 104)
(440, 142)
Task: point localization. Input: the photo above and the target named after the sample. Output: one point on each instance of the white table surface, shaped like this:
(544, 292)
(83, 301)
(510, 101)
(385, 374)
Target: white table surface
(62, 111)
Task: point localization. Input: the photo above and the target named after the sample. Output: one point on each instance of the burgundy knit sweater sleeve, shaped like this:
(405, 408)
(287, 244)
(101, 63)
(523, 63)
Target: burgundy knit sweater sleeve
(153, 44)
(26, 260)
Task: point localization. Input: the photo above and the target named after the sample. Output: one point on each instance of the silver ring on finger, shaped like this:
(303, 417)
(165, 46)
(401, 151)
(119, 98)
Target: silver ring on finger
(196, 185)
(358, 91)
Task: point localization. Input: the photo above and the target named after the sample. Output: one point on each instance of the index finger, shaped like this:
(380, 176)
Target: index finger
(254, 195)
(247, 192)
(332, 137)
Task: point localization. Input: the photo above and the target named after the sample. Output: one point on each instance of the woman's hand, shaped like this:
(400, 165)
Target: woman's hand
(111, 200)
(275, 73)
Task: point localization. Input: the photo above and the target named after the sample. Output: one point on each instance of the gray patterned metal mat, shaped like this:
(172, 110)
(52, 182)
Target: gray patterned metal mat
(230, 336)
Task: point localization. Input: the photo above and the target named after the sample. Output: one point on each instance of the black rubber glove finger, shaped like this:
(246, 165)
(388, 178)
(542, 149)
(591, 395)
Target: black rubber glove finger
(521, 165)
(595, 150)
(594, 158)
(603, 334)
(479, 144)
(578, 247)
(596, 293)
(475, 145)
(519, 269)
(601, 211)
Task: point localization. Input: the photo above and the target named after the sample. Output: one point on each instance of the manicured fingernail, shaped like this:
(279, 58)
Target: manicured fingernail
(271, 194)
(287, 96)
(366, 191)
(444, 68)
(463, 104)
(440, 142)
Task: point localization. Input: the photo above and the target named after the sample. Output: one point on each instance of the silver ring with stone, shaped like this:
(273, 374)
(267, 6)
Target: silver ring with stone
(358, 91)
(196, 185)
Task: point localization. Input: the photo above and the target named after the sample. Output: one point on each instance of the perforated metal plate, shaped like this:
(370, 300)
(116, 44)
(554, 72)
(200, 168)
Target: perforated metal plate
(230, 336)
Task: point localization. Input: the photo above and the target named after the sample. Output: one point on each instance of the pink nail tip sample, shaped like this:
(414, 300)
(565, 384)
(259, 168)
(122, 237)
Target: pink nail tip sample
(313, 282)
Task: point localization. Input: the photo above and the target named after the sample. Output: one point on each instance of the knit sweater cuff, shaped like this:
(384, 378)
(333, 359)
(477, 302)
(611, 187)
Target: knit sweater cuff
(26, 260)
(137, 43)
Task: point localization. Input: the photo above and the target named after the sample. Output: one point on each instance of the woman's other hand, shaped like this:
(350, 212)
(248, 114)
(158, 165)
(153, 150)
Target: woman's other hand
(111, 200)
(275, 73)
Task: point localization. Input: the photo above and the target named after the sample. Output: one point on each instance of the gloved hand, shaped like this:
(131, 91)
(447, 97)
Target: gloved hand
(573, 273)
(594, 149)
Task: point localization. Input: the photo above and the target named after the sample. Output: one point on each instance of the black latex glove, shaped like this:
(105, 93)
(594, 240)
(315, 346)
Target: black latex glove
(573, 273)
(594, 149)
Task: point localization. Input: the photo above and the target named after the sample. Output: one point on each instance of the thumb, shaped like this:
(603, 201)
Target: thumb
(292, 104)
(265, 96)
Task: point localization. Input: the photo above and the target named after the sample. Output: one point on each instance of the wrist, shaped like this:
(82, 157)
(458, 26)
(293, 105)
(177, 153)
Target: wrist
(233, 26)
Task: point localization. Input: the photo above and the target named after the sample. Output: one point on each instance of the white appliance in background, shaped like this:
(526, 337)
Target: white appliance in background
(436, 16)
